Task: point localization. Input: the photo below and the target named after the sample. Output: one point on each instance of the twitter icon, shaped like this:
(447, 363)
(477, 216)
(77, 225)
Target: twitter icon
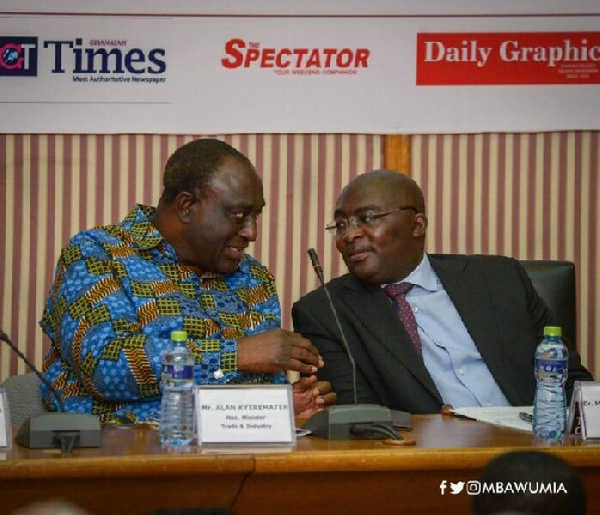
(456, 488)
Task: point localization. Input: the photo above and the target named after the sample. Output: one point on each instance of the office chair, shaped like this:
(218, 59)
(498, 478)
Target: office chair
(555, 283)
(24, 397)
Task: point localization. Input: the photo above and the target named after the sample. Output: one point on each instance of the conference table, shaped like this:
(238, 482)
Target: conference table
(130, 473)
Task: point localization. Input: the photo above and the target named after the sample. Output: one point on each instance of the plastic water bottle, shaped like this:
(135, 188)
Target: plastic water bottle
(551, 369)
(177, 405)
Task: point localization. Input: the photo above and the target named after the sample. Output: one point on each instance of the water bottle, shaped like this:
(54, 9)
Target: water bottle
(177, 405)
(551, 369)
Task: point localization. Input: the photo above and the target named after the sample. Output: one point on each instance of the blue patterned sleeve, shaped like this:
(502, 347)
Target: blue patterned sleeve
(99, 346)
(265, 315)
(110, 324)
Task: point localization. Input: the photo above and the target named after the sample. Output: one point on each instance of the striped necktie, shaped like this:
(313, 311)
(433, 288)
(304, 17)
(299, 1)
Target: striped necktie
(398, 293)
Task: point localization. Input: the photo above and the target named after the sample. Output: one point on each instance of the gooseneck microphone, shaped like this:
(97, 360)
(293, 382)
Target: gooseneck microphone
(319, 271)
(350, 421)
(314, 259)
(4, 337)
(55, 429)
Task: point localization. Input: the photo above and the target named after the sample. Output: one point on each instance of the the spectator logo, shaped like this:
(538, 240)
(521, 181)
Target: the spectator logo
(334, 60)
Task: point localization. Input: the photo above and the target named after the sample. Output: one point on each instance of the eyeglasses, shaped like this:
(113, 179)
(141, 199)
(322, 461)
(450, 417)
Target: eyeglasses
(369, 219)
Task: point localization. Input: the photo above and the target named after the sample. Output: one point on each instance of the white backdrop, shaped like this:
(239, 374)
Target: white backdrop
(276, 67)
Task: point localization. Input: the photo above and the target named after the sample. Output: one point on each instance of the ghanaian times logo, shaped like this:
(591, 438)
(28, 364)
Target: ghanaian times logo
(18, 56)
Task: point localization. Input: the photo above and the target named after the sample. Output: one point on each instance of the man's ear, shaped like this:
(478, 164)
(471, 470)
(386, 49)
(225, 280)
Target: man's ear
(183, 205)
(420, 227)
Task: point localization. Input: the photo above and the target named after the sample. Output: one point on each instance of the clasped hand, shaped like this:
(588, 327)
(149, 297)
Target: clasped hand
(311, 396)
(278, 349)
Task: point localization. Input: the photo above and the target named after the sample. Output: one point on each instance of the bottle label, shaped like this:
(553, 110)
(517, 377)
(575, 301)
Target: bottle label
(550, 366)
(178, 371)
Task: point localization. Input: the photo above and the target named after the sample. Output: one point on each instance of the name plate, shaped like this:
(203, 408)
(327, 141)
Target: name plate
(5, 422)
(584, 412)
(245, 414)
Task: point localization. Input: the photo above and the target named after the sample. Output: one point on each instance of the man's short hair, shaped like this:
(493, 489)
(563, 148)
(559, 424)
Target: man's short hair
(536, 468)
(192, 165)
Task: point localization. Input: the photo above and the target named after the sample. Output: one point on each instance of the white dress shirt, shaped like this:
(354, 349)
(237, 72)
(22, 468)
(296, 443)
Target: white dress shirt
(454, 363)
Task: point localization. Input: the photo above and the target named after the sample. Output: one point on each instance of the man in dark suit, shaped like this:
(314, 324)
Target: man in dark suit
(473, 321)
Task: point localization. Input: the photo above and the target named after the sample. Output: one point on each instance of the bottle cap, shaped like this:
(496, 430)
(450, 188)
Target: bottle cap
(552, 331)
(179, 336)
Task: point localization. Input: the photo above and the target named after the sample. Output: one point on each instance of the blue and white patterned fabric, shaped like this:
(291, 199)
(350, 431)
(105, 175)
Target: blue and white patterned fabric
(117, 295)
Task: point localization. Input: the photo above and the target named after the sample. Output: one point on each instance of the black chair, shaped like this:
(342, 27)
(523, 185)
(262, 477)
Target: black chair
(555, 283)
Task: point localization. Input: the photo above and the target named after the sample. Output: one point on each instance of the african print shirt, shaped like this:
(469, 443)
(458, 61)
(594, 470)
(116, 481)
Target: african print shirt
(117, 295)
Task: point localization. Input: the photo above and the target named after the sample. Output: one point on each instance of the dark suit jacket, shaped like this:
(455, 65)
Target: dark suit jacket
(496, 301)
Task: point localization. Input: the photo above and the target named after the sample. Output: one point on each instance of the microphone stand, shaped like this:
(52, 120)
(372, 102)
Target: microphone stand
(348, 421)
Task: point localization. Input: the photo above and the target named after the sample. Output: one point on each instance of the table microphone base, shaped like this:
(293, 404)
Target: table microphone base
(341, 422)
(52, 430)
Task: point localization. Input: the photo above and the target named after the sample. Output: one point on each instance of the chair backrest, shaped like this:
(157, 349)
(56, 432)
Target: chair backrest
(24, 397)
(555, 283)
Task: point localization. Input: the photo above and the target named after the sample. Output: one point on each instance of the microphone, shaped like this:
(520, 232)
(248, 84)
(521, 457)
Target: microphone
(349, 421)
(55, 429)
(319, 271)
(314, 259)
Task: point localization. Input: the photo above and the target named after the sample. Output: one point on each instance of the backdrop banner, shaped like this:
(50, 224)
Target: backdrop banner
(208, 67)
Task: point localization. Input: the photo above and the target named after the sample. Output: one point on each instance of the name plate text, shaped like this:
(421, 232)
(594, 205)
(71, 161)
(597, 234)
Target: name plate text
(245, 414)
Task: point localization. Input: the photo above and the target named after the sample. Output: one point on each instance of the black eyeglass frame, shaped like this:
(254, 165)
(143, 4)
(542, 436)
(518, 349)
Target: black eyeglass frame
(358, 221)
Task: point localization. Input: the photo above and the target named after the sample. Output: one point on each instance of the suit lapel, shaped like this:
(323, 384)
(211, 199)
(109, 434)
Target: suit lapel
(374, 311)
(476, 309)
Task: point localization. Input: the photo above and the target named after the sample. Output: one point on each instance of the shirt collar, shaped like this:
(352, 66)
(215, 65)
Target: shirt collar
(138, 223)
(423, 276)
(141, 230)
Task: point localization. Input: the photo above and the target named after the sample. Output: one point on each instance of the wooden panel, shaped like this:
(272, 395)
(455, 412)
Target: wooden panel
(130, 473)
(397, 153)
(131, 495)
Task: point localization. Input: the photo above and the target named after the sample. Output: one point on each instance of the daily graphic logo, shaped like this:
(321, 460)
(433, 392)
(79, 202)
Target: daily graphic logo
(470, 58)
(18, 56)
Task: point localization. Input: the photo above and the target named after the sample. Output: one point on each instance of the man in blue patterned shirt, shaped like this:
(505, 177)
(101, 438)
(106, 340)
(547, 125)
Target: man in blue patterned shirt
(121, 289)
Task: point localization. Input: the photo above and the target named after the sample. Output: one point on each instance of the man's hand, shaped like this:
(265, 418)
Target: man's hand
(311, 396)
(447, 409)
(275, 350)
